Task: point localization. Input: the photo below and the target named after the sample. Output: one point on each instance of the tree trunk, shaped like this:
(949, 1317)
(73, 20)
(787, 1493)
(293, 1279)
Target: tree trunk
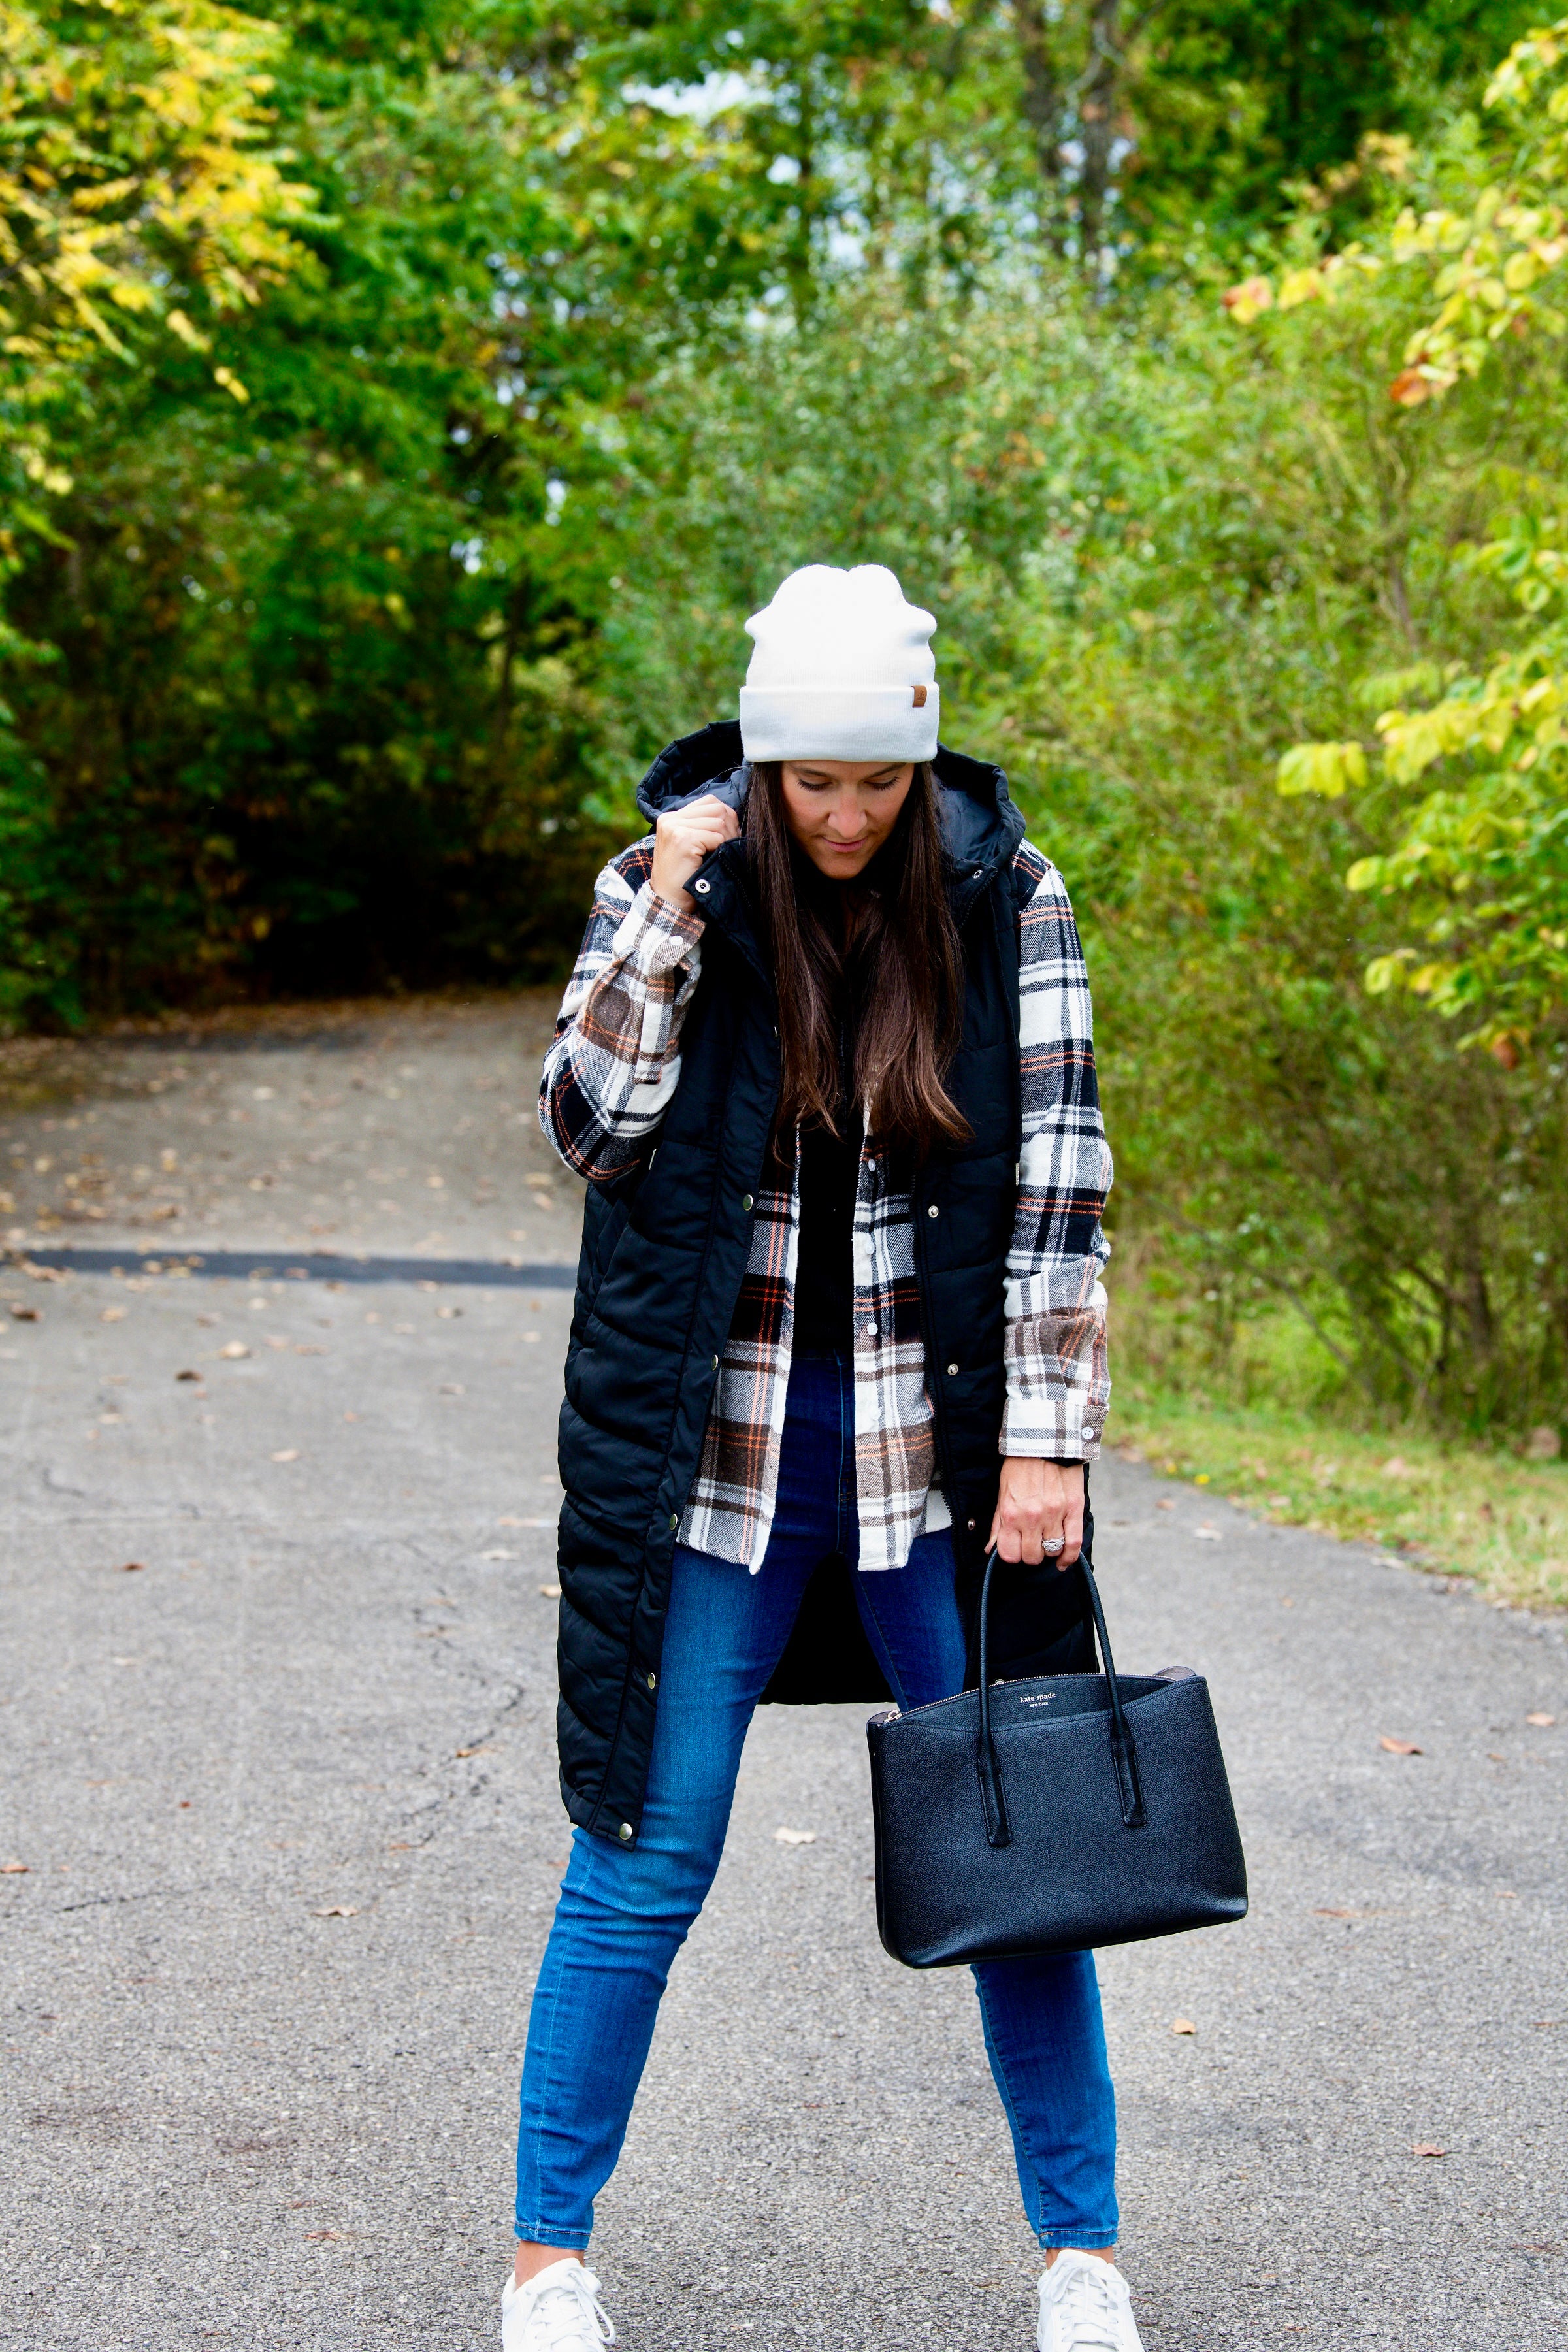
(1097, 113)
(1045, 101)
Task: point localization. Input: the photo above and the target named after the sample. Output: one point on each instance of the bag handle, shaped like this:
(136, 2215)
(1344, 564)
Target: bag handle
(1124, 1751)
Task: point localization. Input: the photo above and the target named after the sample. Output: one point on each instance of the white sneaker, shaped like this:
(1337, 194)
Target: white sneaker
(558, 2310)
(1084, 2307)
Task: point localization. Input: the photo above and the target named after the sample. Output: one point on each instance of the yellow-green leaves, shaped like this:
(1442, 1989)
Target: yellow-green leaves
(1495, 263)
(1477, 871)
(1329, 770)
(1327, 279)
(1481, 866)
(136, 177)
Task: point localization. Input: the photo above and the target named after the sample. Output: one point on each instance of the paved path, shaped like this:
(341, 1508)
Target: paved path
(285, 1793)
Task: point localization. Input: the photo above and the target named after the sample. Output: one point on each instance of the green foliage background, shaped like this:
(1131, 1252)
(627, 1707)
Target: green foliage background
(596, 321)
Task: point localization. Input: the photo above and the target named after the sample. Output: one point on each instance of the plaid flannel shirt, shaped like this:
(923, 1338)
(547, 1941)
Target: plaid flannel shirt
(610, 1073)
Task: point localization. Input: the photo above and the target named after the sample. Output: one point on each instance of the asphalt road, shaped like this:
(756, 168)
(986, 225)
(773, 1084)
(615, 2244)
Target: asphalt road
(284, 1791)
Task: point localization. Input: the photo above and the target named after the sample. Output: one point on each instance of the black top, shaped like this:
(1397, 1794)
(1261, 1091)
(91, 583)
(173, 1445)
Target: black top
(830, 1170)
(824, 1274)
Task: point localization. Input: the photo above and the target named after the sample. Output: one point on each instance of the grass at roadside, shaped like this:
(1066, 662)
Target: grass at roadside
(1461, 1512)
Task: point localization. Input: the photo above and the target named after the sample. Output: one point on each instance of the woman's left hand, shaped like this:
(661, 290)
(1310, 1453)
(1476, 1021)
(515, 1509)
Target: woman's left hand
(1039, 1511)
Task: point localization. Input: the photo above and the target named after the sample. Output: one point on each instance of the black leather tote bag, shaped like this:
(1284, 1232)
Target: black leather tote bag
(1052, 1815)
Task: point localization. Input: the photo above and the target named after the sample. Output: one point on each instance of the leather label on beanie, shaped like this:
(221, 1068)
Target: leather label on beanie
(920, 695)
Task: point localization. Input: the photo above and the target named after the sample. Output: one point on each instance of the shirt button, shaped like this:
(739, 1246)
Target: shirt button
(951, 1371)
(745, 1200)
(934, 1211)
(628, 1833)
(870, 1330)
(701, 889)
(969, 1524)
(674, 1520)
(653, 1682)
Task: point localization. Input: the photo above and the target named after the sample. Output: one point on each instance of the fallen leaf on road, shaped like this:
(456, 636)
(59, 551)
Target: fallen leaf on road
(1183, 2025)
(481, 1748)
(25, 1315)
(114, 1314)
(233, 1349)
(794, 1837)
(338, 1911)
(130, 1568)
(187, 1376)
(288, 1454)
(1541, 1722)
(1427, 2147)
(13, 1869)
(1399, 1747)
(550, 1591)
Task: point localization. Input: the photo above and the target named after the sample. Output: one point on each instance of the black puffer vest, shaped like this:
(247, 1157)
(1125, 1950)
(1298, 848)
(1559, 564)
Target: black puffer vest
(664, 1251)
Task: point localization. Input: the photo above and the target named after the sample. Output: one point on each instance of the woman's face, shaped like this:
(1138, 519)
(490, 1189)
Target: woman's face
(842, 811)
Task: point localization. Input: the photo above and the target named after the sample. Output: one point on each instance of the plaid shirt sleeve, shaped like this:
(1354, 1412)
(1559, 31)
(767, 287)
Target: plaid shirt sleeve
(1058, 1384)
(615, 1060)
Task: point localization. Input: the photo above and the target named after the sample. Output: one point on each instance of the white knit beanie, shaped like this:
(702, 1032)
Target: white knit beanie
(842, 669)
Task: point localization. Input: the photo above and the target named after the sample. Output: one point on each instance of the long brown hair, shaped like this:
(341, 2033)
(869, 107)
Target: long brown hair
(899, 972)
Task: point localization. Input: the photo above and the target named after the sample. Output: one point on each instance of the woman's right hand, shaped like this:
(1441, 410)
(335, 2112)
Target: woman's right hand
(682, 840)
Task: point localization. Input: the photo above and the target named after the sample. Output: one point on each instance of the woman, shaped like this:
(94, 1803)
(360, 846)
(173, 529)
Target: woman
(826, 1064)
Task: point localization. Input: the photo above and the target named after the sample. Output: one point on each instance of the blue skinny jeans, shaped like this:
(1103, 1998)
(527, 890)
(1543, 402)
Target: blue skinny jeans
(623, 1913)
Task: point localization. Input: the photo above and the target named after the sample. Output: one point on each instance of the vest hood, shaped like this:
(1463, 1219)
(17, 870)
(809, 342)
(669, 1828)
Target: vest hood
(982, 825)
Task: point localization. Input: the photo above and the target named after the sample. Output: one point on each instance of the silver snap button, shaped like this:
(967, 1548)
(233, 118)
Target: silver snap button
(969, 1524)
(702, 889)
(653, 1682)
(628, 1833)
(715, 1363)
(934, 1211)
(870, 1330)
(977, 873)
(951, 1371)
(745, 1200)
(674, 1520)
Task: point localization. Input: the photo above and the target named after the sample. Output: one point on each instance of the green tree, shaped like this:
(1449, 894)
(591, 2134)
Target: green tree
(1479, 868)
